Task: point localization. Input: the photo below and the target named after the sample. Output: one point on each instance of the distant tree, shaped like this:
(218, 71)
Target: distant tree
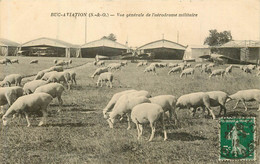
(110, 37)
(216, 38)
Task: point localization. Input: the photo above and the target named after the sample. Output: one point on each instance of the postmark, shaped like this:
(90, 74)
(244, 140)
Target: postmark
(237, 139)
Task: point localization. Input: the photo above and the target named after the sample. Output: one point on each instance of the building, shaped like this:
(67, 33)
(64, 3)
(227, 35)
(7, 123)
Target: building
(103, 47)
(163, 49)
(246, 51)
(8, 48)
(193, 52)
(50, 47)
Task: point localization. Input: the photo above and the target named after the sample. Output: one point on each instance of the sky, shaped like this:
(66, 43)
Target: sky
(25, 20)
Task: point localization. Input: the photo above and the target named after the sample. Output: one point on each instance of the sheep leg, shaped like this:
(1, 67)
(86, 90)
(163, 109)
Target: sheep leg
(212, 114)
(44, 116)
(259, 107)
(110, 123)
(243, 102)
(128, 121)
(236, 104)
(110, 84)
(164, 129)
(153, 130)
(138, 130)
(60, 103)
(74, 79)
(27, 119)
(141, 131)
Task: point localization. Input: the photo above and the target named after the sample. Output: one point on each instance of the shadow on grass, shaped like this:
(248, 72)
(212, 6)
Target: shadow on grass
(65, 105)
(241, 114)
(182, 136)
(70, 124)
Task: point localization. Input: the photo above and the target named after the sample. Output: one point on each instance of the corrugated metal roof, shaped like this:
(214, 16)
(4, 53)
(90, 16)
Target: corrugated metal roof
(49, 42)
(163, 44)
(6, 42)
(103, 42)
(241, 43)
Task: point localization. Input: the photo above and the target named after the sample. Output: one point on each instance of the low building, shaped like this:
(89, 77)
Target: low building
(50, 47)
(103, 47)
(163, 49)
(8, 48)
(193, 52)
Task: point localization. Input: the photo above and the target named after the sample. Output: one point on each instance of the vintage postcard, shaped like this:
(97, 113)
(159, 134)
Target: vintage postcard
(129, 81)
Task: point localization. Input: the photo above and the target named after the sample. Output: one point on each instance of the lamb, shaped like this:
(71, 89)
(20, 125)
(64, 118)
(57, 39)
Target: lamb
(15, 61)
(31, 86)
(148, 113)
(113, 101)
(198, 66)
(29, 104)
(124, 106)
(12, 79)
(5, 61)
(168, 103)
(195, 100)
(53, 89)
(99, 71)
(246, 95)
(35, 61)
(150, 68)
(8, 95)
(60, 77)
(175, 69)
(228, 69)
(106, 77)
(216, 72)
(188, 71)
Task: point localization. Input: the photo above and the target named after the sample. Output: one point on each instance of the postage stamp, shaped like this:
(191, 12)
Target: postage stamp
(237, 138)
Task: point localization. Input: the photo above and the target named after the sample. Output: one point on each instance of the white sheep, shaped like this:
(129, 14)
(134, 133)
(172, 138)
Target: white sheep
(12, 79)
(15, 61)
(46, 75)
(41, 73)
(116, 66)
(211, 65)
(53, 89)
(34, 61)
(228, 70)
(188, 65)
(195, 100)
(162, 65)
(123, 63)
(188, 71)
(123, 102)
(32, 103)
(5, 61)
(150, 68)
(106, 77)
(30, 87)
(8, 95)
(198, 66)
(60, 77)
(246, 95)
(168, 103)
(56, 68)
(173, 65)
(124, 106)
(139, 64)
(100, 63)
(72, 76)
(61, 63)
(148, 113)
(99, 71)
(216, 72)
(175, 69)
(113, 101)
(204, 68)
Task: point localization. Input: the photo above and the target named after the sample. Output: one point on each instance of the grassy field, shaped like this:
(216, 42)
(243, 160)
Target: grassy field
(80, 134)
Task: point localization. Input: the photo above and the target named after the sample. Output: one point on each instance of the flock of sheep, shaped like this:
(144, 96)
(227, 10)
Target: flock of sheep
(137, 105)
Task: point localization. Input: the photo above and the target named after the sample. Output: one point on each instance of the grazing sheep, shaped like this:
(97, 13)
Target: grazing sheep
(34, 61)
(228, 69)
(60, 77)
(211, 65)
(124, 106)
(31, 86)
(145, 63)
(113, 101)
(15, 61)
(150, 68)
(188, 71)
(148, 113)
(32, 103)
(115, 66)
(139, 64)
(246, 95)
(5, 61)
(106, 77)
(12, 79)
(168, 103)
(100, 63)
(162, 65)
(99, 71)
(251, 66)
(53, 89)
(72, 76)
(56, 68)
(188, 65)
(41, 73)
(216, 72)
(173, 65)
(46, 75)
(198, 66)
(61, 63)
(123, 63)
(175, 69)
(8, 95)
(195, 100)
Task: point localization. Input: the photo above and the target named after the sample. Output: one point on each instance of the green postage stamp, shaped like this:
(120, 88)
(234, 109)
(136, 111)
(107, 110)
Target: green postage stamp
(237, 138)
